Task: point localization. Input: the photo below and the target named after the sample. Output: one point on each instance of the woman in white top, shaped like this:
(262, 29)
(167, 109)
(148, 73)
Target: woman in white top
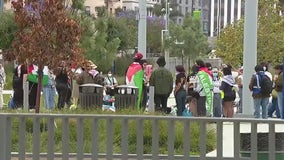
(110, 84)
(217, 101)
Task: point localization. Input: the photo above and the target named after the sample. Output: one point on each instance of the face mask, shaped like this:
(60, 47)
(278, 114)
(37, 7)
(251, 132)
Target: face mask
(215, 74)
(109, 74)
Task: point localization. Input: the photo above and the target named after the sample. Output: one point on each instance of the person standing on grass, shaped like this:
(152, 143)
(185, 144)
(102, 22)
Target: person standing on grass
(134, 76)
(61, 80)
(162, 79)
(18, 78)
(179, 91)
(75, 87)
(49, 89)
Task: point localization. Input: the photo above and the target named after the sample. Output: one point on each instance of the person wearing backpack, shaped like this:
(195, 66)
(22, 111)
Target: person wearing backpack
(260, 87)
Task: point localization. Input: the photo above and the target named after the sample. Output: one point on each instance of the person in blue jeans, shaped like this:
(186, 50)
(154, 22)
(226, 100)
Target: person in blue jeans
(179, 91)
(274, 107)
(260, 99)
(49, 90)
(217, 101)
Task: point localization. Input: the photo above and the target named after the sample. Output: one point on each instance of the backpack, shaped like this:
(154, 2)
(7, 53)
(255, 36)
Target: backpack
(266, 85)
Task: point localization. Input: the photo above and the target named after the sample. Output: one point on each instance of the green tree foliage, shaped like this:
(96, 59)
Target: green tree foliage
(270, 45)
(195, 42)
(230, 44)
(97, 40)
(154, 27)
(8, 28)
(78, 4)
(124, 27)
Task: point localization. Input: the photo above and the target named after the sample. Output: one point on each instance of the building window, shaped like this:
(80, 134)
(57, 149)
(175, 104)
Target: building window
(186, 9)
(124, 8)
(186, 1)
(180, 1)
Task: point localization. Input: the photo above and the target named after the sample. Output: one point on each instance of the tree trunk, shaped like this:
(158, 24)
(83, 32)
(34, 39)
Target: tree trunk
(40, 75)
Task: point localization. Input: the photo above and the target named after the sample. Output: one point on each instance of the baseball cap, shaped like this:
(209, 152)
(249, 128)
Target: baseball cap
(138, 56)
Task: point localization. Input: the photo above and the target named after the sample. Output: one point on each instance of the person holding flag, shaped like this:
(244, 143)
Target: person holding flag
(205, 89)
(135, 75)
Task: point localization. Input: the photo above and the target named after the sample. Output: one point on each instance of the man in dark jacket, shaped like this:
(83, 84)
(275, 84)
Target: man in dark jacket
(259, 99)
(162, 80)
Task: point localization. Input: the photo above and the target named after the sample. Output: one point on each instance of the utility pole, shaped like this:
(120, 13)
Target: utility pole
(250, 52)
(167, 33)
(142, 28)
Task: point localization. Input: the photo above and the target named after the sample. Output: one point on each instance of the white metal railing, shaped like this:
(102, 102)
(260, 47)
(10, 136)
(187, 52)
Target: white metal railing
(219, 124)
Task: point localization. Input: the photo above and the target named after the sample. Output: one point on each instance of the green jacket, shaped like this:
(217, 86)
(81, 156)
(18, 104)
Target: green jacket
(162, 80)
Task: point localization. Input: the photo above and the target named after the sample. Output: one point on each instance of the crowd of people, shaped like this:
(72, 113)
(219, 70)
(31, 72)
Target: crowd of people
(206, 91)
(215, 91)
(64, 79)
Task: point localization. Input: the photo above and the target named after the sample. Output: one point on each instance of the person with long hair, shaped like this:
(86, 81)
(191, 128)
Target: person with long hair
(228, 92)
(179, 91)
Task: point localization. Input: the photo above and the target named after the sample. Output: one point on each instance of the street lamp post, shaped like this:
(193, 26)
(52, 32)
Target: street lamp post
(166, 30)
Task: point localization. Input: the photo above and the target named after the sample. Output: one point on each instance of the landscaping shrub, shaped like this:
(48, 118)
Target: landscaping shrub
(117, 135)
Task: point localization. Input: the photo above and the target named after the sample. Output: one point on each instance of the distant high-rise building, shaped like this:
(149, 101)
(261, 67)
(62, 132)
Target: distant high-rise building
(217, 14)
(182, 8)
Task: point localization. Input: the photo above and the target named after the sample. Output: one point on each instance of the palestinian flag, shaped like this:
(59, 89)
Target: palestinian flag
(134, 77)
(207, 85)
(33, 77)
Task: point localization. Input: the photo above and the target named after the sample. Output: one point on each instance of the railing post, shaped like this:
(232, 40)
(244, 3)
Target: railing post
(151, 105)
(5, 138)
(26, 95)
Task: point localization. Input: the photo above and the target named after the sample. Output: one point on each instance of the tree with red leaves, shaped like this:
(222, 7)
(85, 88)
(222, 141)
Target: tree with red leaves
(46, 36)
